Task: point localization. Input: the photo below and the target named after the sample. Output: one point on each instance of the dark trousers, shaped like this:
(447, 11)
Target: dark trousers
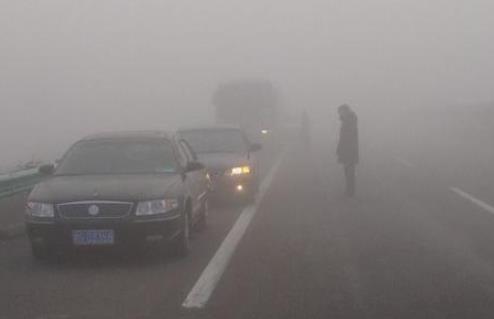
(350, 179)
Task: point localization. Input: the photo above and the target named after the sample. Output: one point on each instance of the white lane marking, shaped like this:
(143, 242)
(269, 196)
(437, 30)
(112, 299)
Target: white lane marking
(205, 285)
(404, 162)
(474, 200)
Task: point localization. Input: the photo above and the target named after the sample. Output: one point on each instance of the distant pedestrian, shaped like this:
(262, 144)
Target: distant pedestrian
(348, 148)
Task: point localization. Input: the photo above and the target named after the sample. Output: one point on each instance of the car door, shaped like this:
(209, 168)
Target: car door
(196, 180)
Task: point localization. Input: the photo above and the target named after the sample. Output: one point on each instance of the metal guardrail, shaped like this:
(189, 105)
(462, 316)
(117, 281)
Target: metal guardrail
(17, 182)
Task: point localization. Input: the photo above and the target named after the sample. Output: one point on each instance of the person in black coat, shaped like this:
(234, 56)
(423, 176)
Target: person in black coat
(348, 149)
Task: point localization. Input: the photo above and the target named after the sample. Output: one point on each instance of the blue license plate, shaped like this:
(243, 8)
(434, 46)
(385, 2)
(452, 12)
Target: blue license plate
(91, 237)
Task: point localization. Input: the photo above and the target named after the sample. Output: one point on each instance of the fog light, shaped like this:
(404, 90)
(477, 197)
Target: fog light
(240, 188)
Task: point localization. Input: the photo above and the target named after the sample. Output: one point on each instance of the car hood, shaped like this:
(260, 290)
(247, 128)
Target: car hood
(219, 162)
(106, 187)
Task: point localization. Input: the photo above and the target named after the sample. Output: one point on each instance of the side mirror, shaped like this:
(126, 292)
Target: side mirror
(254, 147)
(194, 166)
(47, 169)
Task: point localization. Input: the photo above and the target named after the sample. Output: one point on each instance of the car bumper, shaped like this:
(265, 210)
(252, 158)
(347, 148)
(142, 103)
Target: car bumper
(125, 232)
(232, 187)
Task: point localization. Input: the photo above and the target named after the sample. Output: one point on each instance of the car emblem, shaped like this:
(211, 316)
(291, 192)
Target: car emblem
(93, 210)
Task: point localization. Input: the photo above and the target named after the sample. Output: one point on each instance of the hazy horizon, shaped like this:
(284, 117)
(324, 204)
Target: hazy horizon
(70, 68)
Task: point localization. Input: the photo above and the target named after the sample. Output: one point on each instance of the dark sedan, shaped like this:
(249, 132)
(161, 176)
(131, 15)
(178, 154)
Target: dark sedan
(119, 189)
(229, 157)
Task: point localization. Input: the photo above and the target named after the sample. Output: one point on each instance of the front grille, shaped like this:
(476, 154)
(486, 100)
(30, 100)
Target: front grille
(94, 209)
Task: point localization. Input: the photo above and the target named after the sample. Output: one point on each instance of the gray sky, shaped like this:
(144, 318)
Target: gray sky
(68, 68)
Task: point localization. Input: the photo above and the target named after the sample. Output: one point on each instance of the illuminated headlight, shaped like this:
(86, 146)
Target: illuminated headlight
(264, 132)
(156, 207)
(35, 209)
(240, 170)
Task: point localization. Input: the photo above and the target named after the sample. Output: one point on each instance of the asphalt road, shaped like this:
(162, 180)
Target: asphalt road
(406, 247)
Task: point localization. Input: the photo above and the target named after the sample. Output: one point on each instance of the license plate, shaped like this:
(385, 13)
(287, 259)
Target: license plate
(93, 237)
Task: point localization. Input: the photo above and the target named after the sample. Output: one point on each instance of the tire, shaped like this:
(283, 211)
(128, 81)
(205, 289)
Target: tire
(182, 242)
(202, 223)
(255, 186)
(40, 251)
(250, 196)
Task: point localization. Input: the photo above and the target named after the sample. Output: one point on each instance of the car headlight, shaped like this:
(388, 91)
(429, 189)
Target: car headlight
(35, 209)
(242, 170)
(156, 207)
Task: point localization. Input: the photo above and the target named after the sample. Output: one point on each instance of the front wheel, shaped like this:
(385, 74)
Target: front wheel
(182, 242)
(250, 197)
(202, 223)
(39, 251)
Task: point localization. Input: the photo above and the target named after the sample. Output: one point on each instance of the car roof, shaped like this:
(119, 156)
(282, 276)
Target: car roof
(130, 135)
(209, 127)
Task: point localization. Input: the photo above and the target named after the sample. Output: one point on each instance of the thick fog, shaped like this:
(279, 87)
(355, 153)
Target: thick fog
(71, 68)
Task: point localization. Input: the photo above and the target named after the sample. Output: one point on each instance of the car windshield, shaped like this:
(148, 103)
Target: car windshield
(118, 157)
(215, 141)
